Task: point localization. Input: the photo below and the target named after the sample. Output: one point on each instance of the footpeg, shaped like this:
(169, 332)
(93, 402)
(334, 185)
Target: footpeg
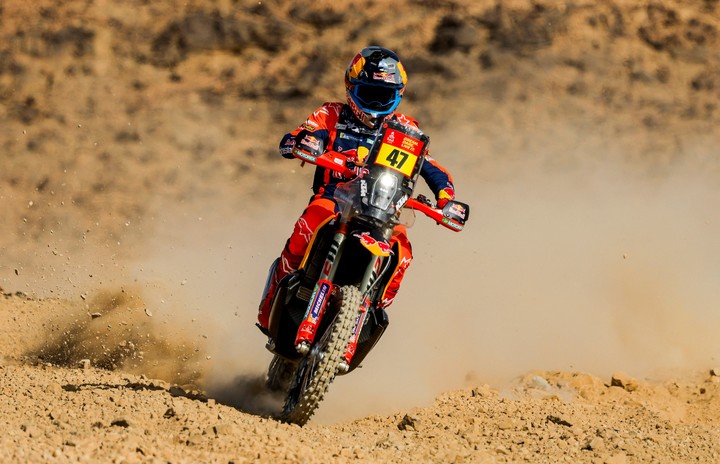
(270, 345)
(303, 348)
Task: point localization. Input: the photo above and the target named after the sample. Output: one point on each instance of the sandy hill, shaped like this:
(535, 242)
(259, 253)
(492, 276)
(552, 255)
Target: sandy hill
(143, 199)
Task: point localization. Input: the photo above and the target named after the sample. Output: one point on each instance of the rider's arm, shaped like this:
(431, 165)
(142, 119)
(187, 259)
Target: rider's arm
(436, 176)
(319, 123)
(438, 179)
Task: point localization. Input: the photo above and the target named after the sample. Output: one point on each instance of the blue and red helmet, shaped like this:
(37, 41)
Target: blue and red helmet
(375, 81)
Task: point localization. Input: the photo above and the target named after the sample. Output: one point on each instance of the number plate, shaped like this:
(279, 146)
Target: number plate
(399, 152)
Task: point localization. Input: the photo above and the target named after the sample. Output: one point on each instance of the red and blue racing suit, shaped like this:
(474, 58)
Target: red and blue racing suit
(335, 124)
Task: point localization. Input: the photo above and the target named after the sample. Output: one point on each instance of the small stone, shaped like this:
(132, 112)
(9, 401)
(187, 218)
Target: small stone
(176, 391)
(408, 423)
(31, 430)
(506, 424)
(223, 430)
(120, 422)
(596, 444)
(620, 379)
(84, 364)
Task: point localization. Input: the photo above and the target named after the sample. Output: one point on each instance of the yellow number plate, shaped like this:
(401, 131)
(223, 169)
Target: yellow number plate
(397, 159)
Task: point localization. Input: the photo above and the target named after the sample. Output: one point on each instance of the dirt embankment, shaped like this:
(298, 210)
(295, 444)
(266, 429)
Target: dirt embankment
(143, 199)
(108, 106)
(74, 398)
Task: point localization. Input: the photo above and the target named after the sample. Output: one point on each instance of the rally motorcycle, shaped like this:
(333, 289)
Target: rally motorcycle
(326, 317)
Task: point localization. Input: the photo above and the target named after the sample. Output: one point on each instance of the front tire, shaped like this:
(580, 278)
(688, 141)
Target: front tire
(318, 369)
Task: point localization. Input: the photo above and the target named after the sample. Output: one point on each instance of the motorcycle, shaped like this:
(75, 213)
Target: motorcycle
(326, 316)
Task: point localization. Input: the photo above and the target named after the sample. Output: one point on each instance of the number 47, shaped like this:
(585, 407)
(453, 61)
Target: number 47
(397, 158)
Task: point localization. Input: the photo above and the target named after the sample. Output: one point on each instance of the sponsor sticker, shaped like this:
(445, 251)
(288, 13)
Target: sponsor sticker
(311, 142)
(457, 210)
(318, 302)
(384, 76)
(376, 247)
(404, 142)
(304, 155)
(452, 224)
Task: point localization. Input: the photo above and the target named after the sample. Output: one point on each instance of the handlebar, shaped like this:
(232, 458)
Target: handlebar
(330, 159)
(453, 215)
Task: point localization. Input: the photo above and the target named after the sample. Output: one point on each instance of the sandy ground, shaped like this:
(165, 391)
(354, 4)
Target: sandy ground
(574, 320)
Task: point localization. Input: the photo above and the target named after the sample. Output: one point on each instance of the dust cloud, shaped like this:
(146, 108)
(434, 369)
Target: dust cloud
(587, 266)
(574, 269)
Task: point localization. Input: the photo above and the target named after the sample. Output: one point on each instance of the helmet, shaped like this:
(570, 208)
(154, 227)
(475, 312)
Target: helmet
(375, 82)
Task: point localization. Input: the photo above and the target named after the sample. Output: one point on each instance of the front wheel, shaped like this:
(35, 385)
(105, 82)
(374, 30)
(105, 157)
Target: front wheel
(317, 370)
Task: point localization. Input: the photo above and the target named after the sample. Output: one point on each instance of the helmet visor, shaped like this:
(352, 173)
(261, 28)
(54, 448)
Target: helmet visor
(376, 98)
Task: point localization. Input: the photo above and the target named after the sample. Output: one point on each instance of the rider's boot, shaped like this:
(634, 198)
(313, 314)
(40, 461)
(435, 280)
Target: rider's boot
(279, 269)
(264, 311)
(265, 305)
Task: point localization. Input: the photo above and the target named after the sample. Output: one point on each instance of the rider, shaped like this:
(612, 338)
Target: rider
(375, 81)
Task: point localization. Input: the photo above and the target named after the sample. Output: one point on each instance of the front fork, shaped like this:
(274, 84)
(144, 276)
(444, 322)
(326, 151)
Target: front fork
(321, 295)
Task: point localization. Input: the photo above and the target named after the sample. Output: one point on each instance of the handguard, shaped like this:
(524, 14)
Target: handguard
(309, 147)
(453, 215)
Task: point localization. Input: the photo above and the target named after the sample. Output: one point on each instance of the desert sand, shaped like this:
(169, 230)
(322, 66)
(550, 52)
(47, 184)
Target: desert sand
(143, 199)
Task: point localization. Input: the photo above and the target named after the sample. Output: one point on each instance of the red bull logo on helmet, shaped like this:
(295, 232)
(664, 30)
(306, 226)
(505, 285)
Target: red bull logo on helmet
(356, 67)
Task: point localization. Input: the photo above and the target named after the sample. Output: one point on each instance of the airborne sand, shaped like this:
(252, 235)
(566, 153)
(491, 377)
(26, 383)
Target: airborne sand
(143, 201)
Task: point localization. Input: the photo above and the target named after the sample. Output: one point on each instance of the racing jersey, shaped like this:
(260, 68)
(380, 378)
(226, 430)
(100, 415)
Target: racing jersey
(340, 131)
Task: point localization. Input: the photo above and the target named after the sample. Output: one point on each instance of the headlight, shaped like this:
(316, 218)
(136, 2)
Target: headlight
(383, 191)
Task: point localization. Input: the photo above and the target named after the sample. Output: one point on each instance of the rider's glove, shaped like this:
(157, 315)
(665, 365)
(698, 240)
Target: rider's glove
(352, 168)
(443, 197)
(287, 144)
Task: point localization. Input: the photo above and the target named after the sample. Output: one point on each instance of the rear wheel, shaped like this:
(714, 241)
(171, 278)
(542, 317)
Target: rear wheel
(317, 370)
(280, 374)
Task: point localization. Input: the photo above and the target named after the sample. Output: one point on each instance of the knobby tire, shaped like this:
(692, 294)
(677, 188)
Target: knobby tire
(317, 370)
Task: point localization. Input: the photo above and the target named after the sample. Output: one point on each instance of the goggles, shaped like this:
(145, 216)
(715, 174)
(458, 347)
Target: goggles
(375, 98)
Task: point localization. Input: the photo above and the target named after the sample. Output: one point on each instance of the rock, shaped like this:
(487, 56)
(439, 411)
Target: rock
(408, 422)
(506, 423)
(622, 380)
(596, 444)
(177, 391)
(120, 422)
